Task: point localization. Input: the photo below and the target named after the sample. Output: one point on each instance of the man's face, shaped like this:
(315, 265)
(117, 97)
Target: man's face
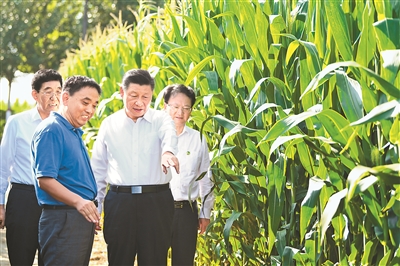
(80, 107)
(48, 97)
(137, 100)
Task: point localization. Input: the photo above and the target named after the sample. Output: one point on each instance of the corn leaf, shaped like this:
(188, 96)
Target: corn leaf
(309, 203)
(330, 210)
(380, 112)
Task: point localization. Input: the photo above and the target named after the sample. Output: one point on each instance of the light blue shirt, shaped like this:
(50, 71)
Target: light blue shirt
(15, 151)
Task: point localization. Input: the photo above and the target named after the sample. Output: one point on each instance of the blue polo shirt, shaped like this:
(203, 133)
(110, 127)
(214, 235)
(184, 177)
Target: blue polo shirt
(59, 152)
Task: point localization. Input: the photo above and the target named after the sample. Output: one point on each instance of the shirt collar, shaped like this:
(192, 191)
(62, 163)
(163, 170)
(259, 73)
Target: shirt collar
(148, 116)
(184, 131)
(66, 123)
(35, 114)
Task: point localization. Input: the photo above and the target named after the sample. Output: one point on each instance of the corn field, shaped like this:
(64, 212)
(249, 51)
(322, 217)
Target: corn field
(300, 104)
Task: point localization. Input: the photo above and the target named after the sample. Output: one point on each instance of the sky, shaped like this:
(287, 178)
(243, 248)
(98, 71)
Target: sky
(20, 88)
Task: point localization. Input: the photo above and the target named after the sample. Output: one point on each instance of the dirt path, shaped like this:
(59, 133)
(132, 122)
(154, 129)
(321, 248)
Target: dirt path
(3, 248)
(98, 257)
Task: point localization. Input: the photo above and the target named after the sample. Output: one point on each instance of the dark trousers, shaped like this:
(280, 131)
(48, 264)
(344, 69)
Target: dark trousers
(138, 224)
(184, 234)
(22, 218)
(65, 237)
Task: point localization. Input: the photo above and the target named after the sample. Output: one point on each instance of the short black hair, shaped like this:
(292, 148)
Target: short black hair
(44, 75)
(172, 90)
(76, 83)
(137, 76)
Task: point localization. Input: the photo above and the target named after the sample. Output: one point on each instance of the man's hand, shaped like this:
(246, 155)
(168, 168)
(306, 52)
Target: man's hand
(97, 228)
(2, 216)
(88, 210)
(168, 160)
(61, 193)
(203, 223)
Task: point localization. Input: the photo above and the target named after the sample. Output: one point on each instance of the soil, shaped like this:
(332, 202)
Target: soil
(98, 257)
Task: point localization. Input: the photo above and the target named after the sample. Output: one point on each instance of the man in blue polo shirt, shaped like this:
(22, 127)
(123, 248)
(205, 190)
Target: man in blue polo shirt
(65, 185)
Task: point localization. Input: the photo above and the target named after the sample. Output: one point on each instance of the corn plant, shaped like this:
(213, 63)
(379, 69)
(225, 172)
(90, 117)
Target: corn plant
(299, 102)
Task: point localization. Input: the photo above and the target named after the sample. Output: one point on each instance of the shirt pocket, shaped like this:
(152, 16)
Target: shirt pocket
(152, 144)
(191, 161)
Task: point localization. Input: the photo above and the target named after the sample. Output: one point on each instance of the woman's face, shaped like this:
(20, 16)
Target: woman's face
(179, 108)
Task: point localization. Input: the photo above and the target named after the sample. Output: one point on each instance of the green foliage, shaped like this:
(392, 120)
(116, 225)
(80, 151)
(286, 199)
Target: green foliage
(36, 34)
(300, 106)
(44, 28)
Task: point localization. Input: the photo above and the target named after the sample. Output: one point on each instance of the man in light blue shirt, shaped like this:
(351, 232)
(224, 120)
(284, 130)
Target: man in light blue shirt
(22, 213)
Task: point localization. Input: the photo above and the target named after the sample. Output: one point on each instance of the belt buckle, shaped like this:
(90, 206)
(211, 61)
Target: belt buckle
(136, 190)
(178, 205)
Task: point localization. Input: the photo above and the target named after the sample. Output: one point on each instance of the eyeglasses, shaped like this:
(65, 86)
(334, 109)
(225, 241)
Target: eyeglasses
(184, 109)
(52, 93)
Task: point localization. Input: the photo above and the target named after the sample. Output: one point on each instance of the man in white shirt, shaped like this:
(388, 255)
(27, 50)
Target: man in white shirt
(194, 161)
(132, 153)
(22, 214)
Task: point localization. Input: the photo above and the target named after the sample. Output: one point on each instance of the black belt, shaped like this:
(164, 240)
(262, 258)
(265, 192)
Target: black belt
(62, 207)
(139, 189)
(182, 203)
(23, 186)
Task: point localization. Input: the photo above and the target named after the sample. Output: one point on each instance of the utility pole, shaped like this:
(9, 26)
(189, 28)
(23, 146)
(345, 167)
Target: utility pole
(85, 20)
(8, 112)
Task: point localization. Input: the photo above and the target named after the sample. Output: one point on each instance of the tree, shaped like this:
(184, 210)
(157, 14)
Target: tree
(11, 25)
(37, 34)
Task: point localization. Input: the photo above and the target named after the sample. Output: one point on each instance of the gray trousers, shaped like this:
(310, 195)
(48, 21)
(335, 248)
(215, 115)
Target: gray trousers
(65, 237)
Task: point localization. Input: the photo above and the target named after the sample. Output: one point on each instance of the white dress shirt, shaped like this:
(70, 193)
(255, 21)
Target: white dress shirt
(129, 153)
(193, 161)
(16, 150)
